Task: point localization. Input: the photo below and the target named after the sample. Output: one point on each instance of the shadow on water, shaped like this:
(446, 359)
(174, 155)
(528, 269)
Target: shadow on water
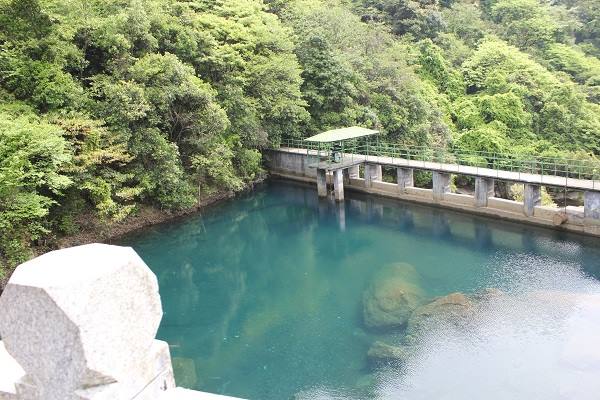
(264, 298)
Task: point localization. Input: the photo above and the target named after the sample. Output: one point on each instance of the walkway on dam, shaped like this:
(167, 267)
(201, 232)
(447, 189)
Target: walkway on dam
(350, 159)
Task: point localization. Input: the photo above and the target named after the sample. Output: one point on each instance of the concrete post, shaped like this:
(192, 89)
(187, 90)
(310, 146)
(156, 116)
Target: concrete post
(322, 182)
(591, 206)
(338, 185)
(441, 185)
(404, 177)
(79, 324)
(484, 189)
(354, 172)
(532, 197)
(373, 172)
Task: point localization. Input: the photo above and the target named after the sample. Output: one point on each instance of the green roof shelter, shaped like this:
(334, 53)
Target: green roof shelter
(336, 150)
(339, 135)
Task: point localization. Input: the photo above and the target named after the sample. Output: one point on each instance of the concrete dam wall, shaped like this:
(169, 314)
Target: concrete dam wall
(297, 166)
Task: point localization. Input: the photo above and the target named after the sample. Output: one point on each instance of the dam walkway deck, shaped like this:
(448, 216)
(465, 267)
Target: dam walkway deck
(544, 179)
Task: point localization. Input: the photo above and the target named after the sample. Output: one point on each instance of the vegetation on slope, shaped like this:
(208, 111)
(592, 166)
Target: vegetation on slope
(107, 105)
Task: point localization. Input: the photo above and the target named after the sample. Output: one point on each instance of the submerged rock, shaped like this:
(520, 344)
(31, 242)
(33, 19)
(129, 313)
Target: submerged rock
(454, 309)
(393, 295)
(381, 353)
(366, 387)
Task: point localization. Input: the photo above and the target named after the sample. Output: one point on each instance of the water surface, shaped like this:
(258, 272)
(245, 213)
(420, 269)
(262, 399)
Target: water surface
(263, 298)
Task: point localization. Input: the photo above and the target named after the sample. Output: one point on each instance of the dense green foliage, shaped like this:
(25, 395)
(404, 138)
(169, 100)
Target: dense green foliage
(106, 105)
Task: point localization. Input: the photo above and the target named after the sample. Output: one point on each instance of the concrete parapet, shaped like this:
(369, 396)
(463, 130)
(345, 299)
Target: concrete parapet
(11, 373)
(67, 320)
(532, 197)
(484, 189)
(80, 324)
(441, 185)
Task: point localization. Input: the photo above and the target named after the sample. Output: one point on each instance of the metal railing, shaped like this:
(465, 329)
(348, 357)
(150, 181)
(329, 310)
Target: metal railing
(583, 169)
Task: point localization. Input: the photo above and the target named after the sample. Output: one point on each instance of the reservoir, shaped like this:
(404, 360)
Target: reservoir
(278, 295)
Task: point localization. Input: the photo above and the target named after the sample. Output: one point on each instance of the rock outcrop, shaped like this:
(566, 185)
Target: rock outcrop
(394, 293)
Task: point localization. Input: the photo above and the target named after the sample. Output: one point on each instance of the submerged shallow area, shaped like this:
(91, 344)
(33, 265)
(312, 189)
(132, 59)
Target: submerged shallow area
(266, 297)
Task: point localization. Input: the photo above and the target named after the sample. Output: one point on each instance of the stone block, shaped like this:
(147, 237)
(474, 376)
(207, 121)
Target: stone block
(83, 319)
(10, 373)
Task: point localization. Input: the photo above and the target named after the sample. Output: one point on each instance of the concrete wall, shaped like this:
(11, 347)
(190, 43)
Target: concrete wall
(289, 165)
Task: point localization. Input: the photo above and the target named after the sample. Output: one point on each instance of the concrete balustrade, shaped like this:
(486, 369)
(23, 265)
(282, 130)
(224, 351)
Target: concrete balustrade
(80, 323)
(484, 189)
(532, 197)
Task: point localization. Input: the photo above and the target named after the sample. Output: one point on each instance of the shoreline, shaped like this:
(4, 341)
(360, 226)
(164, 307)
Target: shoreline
(94, 230)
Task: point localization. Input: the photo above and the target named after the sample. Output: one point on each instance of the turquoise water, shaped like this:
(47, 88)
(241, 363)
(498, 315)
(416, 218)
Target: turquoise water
(263, 294)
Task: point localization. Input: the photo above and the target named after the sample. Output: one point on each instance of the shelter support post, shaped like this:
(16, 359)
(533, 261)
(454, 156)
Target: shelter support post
(484, 189)
(532, 197)
(404, 177)
(441, 185)
(591, 205)
(338, 185)
(322, 182)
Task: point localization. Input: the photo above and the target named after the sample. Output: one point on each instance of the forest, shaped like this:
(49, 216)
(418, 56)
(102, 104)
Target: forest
(111, 106)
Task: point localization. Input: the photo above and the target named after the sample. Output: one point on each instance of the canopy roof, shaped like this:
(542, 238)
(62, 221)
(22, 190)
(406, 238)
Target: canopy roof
(336, 135)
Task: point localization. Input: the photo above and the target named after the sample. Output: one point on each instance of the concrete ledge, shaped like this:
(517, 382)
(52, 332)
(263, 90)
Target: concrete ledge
(505, 205)
(545, 212)
(458, 198)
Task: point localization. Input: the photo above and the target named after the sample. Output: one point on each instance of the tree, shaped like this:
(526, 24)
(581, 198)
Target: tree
(32, 158)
